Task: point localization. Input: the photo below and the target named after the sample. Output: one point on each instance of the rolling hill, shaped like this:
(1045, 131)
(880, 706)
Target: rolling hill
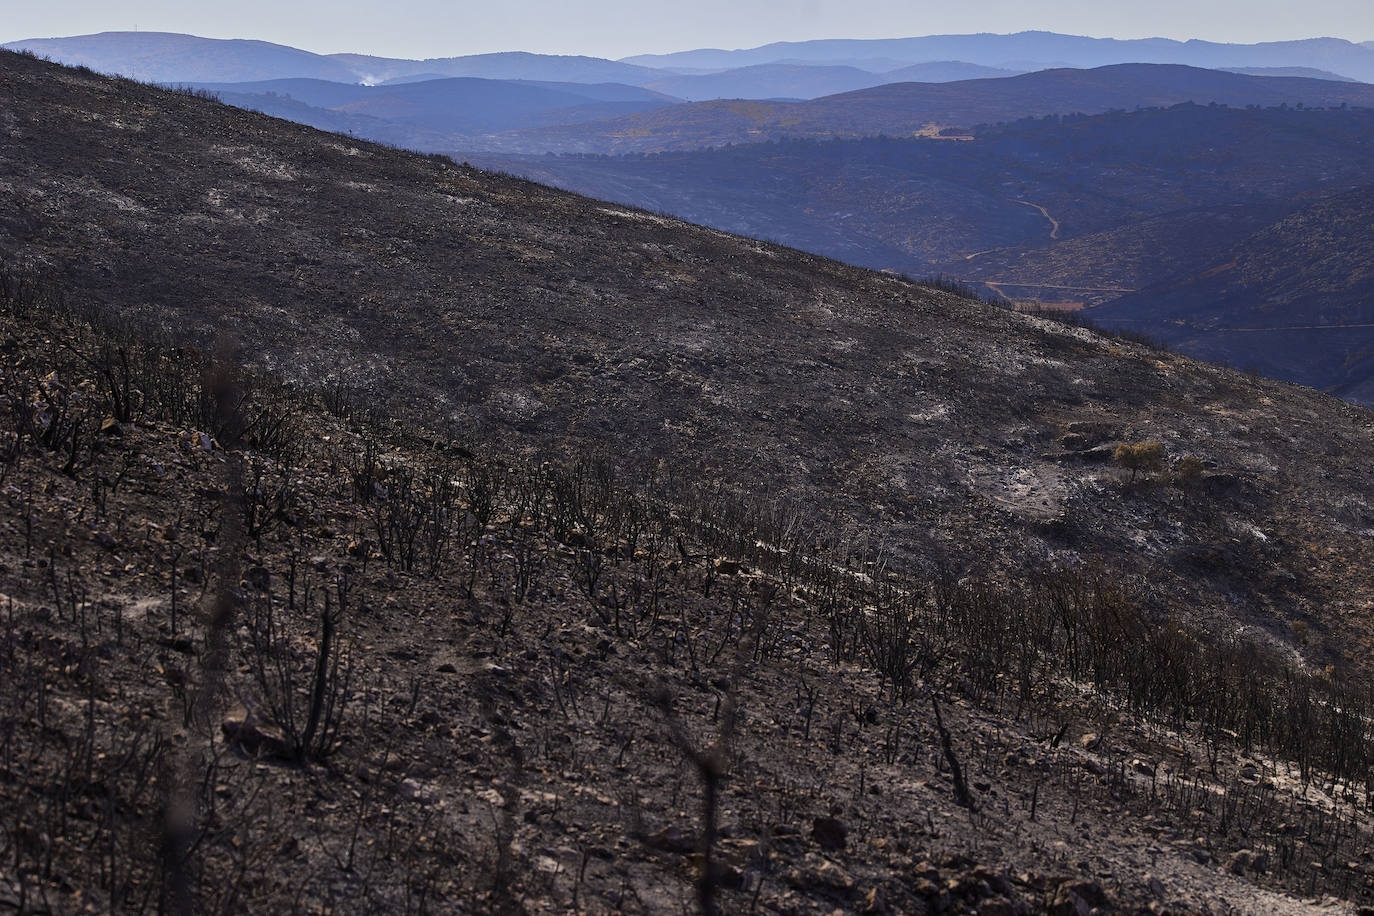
(902, 109)
(232, 245)
(1076, 211)
(165, 57)
(1304, 283)
(1302, 72)
(282, 289)
(384, 534)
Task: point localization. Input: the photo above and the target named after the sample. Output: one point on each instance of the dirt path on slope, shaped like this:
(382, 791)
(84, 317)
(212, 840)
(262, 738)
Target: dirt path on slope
(1054, 223)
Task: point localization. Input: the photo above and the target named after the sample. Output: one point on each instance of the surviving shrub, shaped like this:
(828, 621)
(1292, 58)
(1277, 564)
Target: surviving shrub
(1138, 457)
(1188, 471)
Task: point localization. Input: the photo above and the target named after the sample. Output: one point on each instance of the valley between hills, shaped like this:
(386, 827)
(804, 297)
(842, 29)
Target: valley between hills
(386, 534)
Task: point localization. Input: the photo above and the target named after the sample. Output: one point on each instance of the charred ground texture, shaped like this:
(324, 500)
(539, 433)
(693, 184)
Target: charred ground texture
(793, 430)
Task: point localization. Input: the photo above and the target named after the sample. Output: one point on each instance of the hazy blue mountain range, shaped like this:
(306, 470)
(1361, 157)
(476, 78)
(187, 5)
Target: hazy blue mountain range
(166, 57)
(934, 71)
(768, 81)
(901, 109)
(809, 81)
(1166, 215)
(442, 108)
(946, 71)
(773, 71)
(171, 58)
(1037, 50)
(508, 65)
(926, 206)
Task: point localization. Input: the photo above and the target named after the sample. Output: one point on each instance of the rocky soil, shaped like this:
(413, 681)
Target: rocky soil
(511, 737)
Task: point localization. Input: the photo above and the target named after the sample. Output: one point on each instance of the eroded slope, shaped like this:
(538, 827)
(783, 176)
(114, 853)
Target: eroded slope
(955, 433)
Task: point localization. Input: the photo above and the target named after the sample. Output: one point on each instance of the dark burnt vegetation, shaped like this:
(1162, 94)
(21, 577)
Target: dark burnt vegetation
(238, 669)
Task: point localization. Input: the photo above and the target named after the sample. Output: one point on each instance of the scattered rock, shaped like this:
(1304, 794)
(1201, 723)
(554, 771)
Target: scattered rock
(725, 874)
(242, 730)
(998, 881)
(1243, 861)
(1102, 454)
(818, 872)
(830, 833)
(413, 791)
(925, 871)
(924, 887)
(258, 578)
(182, 644)
(1078, 898)
(672, 839)
(193, 441)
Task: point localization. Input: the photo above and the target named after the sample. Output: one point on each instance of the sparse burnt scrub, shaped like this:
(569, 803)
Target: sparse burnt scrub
(304, 694)
(557, 566)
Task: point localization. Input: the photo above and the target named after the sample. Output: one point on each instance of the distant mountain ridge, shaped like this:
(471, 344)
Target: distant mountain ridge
(167, 57)
(506, 65)
(439, 112)
(902, 109)
(809, 81)
(1035, 49)
(173, 58)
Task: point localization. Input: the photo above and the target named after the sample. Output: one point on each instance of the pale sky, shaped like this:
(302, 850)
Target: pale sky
(618, 28)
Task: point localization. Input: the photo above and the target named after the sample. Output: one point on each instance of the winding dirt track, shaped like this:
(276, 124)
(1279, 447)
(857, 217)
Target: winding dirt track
(1054, 223)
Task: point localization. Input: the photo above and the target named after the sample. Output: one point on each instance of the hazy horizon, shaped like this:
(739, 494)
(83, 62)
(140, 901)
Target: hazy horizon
(620, 28)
